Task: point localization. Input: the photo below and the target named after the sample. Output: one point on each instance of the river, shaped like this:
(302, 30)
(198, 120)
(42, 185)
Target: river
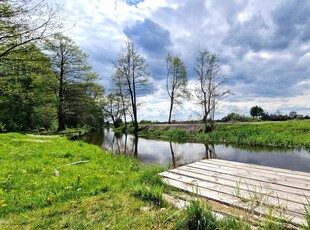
(173, 154)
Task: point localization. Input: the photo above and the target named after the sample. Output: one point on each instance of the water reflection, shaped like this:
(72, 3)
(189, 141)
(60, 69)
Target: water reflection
(172, 154)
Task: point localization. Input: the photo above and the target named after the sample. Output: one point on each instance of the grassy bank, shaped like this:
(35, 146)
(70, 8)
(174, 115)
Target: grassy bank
(294, 134)
(48, 182)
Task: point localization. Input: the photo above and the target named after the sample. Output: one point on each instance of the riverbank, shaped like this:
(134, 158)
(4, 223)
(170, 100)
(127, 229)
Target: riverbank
(288, 134)
(49, 182)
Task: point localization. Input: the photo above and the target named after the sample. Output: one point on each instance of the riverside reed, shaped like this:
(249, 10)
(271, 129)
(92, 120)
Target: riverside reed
(294, 134)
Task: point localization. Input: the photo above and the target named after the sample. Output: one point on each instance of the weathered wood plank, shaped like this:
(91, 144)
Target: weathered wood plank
(260, 167)
(289, 175)
(247, 196)
(248, 173)
(252, 181)
(246, 186)
(230, 200)
(267, 189)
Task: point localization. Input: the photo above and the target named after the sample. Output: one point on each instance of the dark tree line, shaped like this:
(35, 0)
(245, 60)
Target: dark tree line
(45, 80)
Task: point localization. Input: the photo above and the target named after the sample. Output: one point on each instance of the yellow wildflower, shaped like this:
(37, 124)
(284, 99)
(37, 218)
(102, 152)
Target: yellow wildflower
(4, 205)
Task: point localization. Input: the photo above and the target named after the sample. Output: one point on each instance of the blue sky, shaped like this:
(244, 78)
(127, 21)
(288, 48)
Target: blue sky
(263, 46)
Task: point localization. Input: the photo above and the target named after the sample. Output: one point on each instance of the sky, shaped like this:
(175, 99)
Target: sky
(263, 48)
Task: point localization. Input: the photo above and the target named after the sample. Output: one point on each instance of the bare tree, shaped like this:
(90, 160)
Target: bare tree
(133, 69)
(176, 82)
(209, 90)
(26, 21)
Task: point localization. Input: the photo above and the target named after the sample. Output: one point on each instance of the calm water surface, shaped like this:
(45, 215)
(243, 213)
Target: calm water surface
(165, 153)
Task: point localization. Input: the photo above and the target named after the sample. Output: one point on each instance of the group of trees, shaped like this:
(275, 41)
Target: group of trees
(45, 80)
(258, 112)
(131, 79)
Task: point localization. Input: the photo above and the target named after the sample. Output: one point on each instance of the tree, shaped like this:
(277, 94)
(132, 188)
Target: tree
(133, 69)
(176, 82)
(70, 68)
(292, 115)
(113, 109)
(23, 91)
(25, 21)
(119, 94)
(209, 90)
(256, 111)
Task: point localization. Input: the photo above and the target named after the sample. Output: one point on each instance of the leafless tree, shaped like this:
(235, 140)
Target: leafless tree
(209, 90)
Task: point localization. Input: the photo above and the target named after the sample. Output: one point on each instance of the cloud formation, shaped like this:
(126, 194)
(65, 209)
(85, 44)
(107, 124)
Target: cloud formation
(263, 46)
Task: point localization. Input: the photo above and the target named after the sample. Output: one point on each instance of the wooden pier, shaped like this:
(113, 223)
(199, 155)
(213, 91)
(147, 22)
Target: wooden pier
(257, 190)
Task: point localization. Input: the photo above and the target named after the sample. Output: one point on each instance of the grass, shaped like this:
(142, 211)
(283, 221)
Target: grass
(41, 188)
(288, 134)
(199, 216)
(48, 182)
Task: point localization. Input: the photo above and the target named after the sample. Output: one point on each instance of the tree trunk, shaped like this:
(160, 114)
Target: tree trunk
(60, 111)
(171, 107)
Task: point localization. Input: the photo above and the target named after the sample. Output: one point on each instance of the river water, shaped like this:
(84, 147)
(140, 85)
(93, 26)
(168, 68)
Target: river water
(173, 154)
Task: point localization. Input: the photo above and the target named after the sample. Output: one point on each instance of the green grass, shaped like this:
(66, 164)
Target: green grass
(48, 182)
(288, 134)
(41, 188)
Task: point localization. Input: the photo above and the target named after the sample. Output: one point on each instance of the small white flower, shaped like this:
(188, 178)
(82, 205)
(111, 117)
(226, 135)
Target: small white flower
(56, 172)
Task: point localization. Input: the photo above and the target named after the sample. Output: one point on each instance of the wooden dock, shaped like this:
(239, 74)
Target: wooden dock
(252, 188)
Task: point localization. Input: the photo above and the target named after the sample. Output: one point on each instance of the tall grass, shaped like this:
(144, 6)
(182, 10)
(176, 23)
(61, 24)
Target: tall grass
(295, 134)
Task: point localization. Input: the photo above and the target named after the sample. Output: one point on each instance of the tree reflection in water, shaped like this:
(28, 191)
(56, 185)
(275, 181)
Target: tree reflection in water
(165, 153)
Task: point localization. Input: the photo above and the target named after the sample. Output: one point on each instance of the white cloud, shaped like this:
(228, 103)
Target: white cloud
(264, 57)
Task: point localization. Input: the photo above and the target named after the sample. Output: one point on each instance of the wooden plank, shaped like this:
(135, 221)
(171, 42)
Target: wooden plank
(248, 173)
(252, 197)
(246, 186)
(288, 174)
(228, 200)
(250, 185)
(273, 174)
(261, 167)
(251, 181)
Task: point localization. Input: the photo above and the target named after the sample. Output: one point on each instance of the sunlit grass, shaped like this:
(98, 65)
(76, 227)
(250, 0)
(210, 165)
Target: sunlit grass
(50, 181)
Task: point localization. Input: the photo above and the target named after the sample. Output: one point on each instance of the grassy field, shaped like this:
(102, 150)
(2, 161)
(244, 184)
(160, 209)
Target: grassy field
(48, 182)
(295, 133)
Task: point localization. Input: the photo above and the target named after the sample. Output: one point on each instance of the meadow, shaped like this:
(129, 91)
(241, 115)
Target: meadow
(49, 182)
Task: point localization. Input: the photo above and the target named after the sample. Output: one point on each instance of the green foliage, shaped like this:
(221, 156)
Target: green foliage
(307, 215)
(198, 216)
(79, 98)
(153, 194)
(256, 111)
(23, 89)
(235, 117)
